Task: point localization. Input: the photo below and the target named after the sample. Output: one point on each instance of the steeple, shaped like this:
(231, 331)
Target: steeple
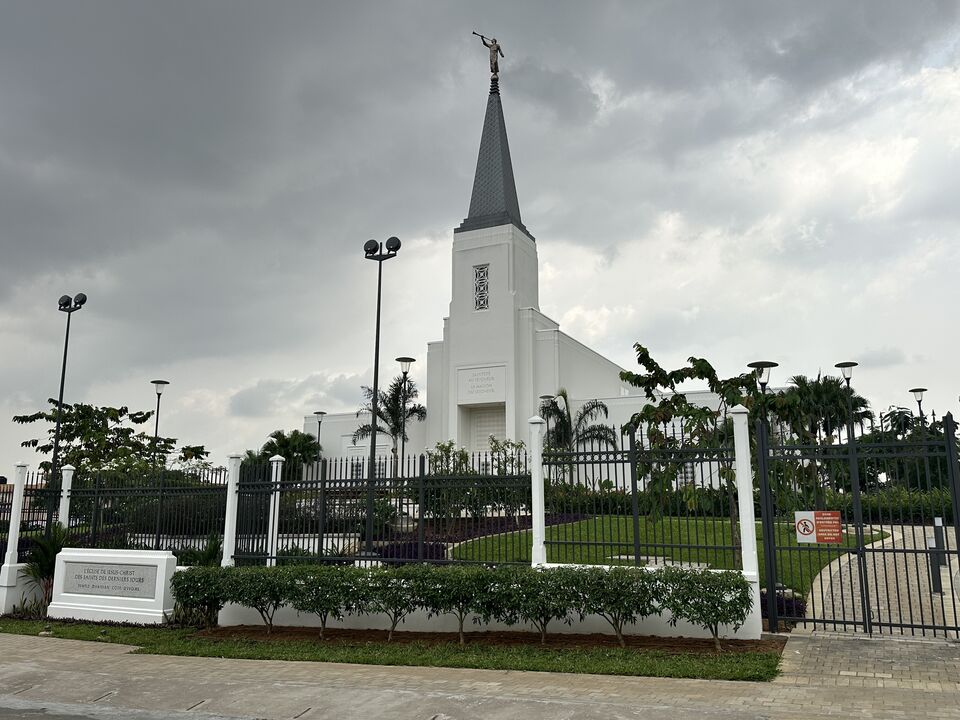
(494, 199)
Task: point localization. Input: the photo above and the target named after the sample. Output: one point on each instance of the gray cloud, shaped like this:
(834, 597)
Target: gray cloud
(207, 173)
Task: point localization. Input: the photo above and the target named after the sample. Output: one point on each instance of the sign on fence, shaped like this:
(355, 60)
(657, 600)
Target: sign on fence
(818, 526)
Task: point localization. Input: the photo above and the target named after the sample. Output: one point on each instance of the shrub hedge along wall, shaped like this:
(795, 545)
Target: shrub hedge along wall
(620, 595)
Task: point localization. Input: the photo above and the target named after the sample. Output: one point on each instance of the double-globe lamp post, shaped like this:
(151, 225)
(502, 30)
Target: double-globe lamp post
(379, 252)
(405, 363)
(68, 305)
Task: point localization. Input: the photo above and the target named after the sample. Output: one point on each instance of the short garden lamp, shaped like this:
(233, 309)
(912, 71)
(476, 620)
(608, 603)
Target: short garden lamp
(918, 396)
(761, 369)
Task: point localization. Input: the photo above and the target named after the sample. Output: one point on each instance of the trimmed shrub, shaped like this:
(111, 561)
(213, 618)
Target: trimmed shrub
(457, 590)
(200, 593)
(265, 589)
(707, 598)
(619, 595)
(388, 591)
(325, 591)
(543, 595)
(787, 606)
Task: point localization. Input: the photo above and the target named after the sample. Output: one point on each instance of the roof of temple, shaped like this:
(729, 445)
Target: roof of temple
(494, 199)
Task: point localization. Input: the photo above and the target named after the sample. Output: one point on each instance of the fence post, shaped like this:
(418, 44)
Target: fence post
(321, 530)
(230, 510)
(16, 510)
(750, 560)
(634, 496)
(273, 524)
(538, 554)
(421, 498)
(66, 486)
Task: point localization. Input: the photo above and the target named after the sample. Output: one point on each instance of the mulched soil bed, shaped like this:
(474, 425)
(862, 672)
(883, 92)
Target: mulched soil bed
(556, 640)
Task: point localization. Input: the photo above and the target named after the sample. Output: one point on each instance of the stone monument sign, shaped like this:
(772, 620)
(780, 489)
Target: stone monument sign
(118, 585)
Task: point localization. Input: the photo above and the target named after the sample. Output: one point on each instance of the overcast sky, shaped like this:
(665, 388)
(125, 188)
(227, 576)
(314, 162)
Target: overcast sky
(729, 180)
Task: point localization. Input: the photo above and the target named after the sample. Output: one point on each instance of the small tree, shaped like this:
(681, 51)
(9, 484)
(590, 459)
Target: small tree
(396, 410)
(389, 592)
(325, 591)
(546, 595)
(457, 590)
(42, 561)
(265, 589)
(707, 599)
(619, 595)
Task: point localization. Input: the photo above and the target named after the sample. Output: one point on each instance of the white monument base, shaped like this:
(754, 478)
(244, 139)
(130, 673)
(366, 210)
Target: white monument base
(130, 586)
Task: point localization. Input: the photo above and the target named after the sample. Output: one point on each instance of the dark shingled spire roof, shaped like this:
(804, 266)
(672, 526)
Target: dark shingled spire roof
(494, 200)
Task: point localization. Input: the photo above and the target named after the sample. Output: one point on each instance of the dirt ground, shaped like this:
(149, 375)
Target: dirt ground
(554, 640)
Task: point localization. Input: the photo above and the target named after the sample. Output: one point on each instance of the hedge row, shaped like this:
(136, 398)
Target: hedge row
(620, 595)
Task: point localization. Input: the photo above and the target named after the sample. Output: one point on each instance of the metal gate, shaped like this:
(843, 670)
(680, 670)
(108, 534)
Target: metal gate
(887, 558)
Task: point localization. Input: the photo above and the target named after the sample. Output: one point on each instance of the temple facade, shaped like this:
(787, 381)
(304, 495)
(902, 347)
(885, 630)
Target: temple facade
(499, 354)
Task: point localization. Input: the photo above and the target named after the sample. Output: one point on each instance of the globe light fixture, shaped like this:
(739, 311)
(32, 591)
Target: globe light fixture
(761, 369)
(405, 363)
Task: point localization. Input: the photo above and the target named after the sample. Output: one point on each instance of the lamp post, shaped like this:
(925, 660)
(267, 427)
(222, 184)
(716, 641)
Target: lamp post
(761, 369)
(318, 414)
(379, 252)
(918, 396)
(846, 368)
(159, 386)
(405, 363)
(68, 305)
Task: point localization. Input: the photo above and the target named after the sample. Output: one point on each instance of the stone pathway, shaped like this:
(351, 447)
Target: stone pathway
(822, 678)
(899, 586)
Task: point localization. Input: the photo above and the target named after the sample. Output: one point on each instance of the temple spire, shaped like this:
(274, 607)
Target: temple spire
(494, 199)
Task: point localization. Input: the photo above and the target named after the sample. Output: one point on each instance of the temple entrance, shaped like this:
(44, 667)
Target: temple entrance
(482, 421)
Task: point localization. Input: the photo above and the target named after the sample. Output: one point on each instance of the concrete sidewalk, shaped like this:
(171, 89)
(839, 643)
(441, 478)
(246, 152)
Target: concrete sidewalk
(102, 676)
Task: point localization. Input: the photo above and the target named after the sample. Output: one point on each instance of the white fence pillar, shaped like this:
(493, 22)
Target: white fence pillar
(748, 520)
(273, 527)
(230, 511)
(16, 510)
(66, 487)
(538, 555)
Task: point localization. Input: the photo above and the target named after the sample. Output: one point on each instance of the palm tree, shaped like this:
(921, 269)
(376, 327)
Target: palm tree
(395, 409)
(295, 447)
(818, 408)
(568, 432)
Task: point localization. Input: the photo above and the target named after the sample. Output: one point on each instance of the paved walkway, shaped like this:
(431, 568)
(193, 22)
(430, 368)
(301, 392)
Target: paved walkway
(899, 583)
(923, 682)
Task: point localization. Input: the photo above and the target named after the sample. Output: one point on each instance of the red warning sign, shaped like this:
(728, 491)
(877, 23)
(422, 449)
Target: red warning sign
(818, 526)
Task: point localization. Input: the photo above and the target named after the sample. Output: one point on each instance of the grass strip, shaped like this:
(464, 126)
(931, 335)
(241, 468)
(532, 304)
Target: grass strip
(599, 661)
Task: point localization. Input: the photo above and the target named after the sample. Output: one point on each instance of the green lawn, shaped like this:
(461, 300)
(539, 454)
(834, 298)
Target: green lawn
(599, 660)
(611, 535)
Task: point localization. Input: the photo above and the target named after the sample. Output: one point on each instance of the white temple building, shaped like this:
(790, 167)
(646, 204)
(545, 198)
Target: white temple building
(499, 354)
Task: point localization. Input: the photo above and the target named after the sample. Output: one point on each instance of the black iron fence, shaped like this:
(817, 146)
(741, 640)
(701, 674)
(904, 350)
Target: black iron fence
(34, 509)
(166, 510)
(888, 495)
(438, 508)
(657, 497)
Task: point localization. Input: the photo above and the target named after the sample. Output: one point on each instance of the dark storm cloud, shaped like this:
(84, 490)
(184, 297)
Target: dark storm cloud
(207, 171)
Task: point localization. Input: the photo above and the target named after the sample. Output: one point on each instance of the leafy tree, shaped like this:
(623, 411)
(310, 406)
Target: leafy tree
(396, 408)
(94, 438)
(457, 590)
(326, 591)
(294, 447)
(619, 595)
(568, 431)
